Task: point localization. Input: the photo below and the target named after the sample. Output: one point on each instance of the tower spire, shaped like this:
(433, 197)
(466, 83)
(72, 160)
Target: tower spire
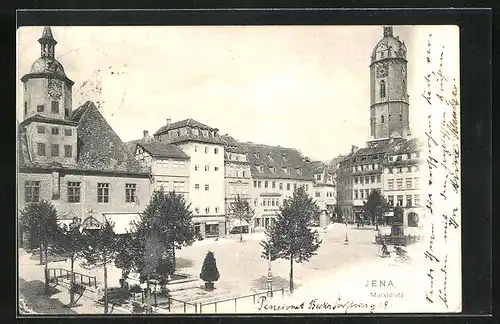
(47, 43)
(387, 31)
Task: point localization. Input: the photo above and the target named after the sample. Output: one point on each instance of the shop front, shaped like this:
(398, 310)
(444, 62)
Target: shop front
(209, 226)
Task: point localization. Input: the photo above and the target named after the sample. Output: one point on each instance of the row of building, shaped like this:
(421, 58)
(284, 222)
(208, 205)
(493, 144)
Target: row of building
(74, 159)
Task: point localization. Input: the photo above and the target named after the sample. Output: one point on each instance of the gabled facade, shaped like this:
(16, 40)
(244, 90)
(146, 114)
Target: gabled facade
(168, 165)
(276, 173)
(403, 185)
(324, 190)
(206, 188)
(237, 175)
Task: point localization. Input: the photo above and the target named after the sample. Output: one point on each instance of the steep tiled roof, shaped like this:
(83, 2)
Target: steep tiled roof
(259, 155)
(162, 150)
(378, 148)
(407, 146)
(184, 123)
(232, 145)
(316, 167)
(98, 146)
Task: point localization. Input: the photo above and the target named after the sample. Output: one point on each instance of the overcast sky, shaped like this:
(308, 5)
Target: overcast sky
(302, 87)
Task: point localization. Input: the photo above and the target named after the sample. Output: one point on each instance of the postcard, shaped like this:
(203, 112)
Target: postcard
(238, 169)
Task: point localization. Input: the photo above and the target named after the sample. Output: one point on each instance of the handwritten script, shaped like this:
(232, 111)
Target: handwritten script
(442, 252)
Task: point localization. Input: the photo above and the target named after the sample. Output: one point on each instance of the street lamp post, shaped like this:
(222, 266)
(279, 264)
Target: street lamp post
(346, 241)
(269, 276)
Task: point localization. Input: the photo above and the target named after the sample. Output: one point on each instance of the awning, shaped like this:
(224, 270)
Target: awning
(122, 221)
(212, 223)
(237, 222)
(208, 219)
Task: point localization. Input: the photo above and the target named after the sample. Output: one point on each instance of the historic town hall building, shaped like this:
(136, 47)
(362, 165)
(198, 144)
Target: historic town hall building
(72, 158)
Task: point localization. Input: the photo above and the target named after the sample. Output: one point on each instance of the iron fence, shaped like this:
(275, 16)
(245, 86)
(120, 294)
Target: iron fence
(56, 273)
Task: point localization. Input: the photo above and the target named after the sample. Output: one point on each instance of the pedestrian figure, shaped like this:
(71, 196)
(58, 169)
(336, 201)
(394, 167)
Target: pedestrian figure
(384, 249)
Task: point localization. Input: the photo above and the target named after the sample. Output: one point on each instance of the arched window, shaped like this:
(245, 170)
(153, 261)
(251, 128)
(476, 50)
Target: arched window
(382, 89)
(382, 119)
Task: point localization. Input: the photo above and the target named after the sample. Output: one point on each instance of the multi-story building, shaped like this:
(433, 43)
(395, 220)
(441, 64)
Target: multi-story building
(402, 179)
(276, 173)
(237, 177)
(168, 165)
(364, 172)
(72, 158)
(206, 188)
(324, 189)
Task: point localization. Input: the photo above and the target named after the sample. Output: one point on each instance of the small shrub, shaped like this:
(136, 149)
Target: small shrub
(209, 271)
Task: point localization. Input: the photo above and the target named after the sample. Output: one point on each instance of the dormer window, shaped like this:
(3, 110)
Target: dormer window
(299, 171)
(287, 171)
(270, 157)
(272, 169)
(318, 177)
(257, 155)
(285, 157)
(260, 168)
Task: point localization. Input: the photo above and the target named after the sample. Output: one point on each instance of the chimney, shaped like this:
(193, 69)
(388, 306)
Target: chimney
(145, 133)
(169, 121)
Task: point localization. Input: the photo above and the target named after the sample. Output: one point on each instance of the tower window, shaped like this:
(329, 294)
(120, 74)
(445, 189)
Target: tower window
(66, 113)
(54, 150)
(41, 149)
(40, 108)
(25, 108)
(382, 89)
(382, 119)
(68, 151)
(55, 106)
(400, 117)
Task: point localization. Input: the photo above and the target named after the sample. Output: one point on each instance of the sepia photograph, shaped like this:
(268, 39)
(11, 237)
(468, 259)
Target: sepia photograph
(238, 170)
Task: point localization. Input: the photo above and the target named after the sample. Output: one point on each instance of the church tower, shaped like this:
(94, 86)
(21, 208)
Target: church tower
(47, 89)
(389, 104)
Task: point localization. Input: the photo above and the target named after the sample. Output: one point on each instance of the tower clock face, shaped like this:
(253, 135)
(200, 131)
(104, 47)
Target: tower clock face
(55, 89)
(381, 69)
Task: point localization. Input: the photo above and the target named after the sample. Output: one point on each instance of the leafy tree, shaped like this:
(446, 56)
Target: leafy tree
(289, 237)
(240, 210)
(103, 248)
(40, 220)
(144, 253)
(71, 244)
(375, 207)
(172, 220)
(209, 271)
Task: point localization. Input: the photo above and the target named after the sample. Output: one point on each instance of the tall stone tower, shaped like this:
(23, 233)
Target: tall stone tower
(51, 134)
(389, 104)
(47, 89)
